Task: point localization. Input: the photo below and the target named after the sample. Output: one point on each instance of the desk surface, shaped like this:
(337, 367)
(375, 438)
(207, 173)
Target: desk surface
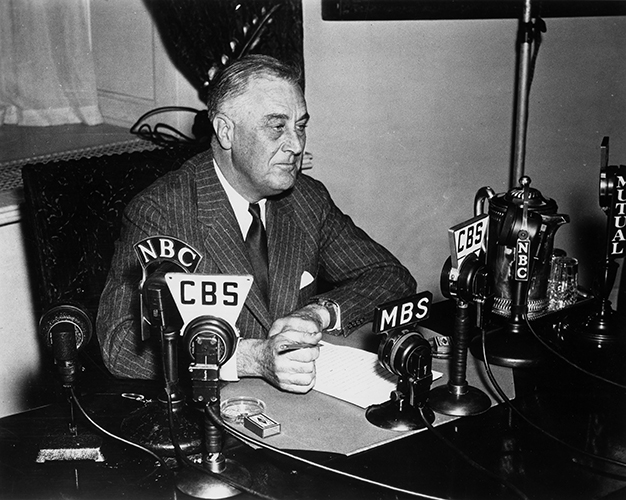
(586, 413)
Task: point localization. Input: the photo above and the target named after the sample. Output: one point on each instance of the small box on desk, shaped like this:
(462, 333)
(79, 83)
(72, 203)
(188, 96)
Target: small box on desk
(262, 425)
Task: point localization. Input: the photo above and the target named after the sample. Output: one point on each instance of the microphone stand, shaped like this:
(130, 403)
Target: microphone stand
(457, 397)
(208, 338)
(512, 345)
(406, 409)
(149, 426)
(523, 91)
(603, 327)
(60, 326)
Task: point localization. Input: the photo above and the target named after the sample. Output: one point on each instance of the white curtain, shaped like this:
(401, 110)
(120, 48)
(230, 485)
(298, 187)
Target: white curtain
(47, 74)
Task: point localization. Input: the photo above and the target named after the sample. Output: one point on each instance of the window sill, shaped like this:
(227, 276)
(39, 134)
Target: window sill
(10, 206)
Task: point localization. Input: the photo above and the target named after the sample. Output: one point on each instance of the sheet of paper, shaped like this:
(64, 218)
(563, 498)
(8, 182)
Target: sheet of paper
(354, 375)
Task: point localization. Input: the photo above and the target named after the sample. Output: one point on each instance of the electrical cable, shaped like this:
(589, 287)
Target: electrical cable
(471, 461)
(117, 438)
(570, 363)
(189, 463)
(180, 455)
(162, 133)
(217, 420)
(510, 404)
(246, 439)
(171, 134)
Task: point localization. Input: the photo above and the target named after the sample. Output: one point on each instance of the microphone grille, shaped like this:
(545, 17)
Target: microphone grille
(62, 322)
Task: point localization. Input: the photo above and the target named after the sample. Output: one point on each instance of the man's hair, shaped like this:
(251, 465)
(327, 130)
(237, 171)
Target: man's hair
(233, 80)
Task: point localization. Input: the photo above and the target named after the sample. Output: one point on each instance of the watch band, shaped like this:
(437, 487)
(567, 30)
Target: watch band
(334, 311)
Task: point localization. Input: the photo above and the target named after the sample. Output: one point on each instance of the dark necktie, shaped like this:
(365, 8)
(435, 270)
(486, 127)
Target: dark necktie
(256, 244)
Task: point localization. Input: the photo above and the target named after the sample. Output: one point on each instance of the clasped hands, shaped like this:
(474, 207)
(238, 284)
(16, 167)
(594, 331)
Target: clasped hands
(287, 357)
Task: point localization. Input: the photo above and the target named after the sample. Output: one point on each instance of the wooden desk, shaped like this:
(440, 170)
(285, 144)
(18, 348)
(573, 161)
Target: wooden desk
(584, 412)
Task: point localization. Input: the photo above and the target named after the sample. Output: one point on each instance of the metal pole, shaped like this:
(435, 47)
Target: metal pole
(523, 86)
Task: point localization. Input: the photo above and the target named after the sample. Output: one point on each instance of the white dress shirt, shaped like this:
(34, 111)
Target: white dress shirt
(228, 371)
(239, 203)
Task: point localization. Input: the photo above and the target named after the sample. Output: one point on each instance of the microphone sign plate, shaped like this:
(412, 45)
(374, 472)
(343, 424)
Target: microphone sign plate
(219, 295)
(469, 237)
(165, 248)
(617, 221)
(402, 312)
(522, 258)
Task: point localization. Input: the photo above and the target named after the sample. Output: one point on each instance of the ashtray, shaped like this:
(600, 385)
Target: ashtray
(234, 410)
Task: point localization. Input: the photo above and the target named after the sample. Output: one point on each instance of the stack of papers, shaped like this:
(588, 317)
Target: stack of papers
(354, 375)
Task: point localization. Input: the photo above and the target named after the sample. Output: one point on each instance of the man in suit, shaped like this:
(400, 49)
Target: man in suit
(259, 117)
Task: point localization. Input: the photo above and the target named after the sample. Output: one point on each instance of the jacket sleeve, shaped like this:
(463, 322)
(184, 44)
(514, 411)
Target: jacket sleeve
(361, 272)
(118, 321)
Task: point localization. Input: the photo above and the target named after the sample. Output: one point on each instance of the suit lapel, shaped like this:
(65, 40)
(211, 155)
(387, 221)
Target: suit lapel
(223, 239)
(286, 246)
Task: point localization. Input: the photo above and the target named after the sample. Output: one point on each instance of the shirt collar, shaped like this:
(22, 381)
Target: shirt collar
(238, 203)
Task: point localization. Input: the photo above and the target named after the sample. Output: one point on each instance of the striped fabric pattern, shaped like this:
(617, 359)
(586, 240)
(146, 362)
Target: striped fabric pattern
(306, 232)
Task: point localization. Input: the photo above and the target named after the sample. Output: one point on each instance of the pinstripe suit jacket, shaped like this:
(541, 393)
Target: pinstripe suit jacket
(306, 232)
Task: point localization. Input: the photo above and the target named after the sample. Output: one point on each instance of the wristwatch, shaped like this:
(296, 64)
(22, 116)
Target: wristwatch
(334, 311)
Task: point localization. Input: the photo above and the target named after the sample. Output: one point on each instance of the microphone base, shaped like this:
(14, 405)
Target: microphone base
(150, 427)
(198, 484)
(396, 416)
(466, 401)
(513, 346)
(602, 329)
(66, 447)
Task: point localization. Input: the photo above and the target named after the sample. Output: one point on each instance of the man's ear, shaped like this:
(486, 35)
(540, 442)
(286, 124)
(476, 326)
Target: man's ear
(224, 128)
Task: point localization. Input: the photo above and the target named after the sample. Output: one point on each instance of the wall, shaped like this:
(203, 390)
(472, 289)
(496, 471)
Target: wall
(411, 118)
(134, 74)
(20, 357)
